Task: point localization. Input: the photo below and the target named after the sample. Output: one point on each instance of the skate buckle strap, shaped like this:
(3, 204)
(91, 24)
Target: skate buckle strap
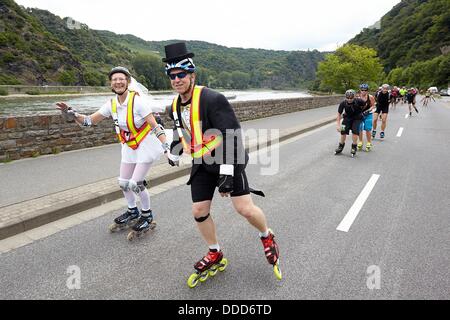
(270, 248)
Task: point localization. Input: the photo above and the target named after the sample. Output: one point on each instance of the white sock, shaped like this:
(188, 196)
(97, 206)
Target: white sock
(264, 234)
(214, 247)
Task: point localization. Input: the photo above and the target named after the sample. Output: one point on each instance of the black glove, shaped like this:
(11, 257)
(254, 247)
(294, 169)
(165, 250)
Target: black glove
(225, 183)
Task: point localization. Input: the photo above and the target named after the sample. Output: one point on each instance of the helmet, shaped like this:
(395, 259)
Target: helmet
(185, 64)
(364, 86)
(385, 86)
(119, 69)
(350, 93)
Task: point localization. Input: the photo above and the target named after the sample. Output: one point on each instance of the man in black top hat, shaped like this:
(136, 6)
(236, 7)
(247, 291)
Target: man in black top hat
(206, 127)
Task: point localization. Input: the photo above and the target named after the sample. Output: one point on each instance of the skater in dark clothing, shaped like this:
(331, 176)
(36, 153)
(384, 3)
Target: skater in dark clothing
(383, 101)
(349, 117)
(207, 129)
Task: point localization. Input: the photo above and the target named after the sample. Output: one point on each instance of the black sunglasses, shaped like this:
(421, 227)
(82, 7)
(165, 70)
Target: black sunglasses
(180, 75)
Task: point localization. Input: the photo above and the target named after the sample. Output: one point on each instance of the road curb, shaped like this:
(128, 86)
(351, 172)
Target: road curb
(37, 212)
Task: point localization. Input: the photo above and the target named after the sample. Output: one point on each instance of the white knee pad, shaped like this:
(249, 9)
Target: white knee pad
(137, 187)
(124, 184)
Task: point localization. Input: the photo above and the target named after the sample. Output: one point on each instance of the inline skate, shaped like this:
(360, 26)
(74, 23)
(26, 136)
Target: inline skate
(207, 266)
(142, 226)
(339, 148)
(125, 220)
(353, 151)
(272, 253)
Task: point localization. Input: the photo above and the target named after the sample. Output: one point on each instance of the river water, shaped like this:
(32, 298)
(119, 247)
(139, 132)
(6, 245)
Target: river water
(86, 104)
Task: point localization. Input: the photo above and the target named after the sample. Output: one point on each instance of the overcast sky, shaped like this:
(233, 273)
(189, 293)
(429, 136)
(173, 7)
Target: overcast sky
(276, 24)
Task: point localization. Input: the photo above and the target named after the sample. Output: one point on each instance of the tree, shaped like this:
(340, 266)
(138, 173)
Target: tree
(151, 67)
(239, 80)
(348, 67)
(203, 76)
(94, 78)
(223, 80)
(67, 78)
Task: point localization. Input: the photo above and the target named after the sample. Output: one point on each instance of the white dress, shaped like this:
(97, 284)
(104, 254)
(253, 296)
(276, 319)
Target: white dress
(150, 149)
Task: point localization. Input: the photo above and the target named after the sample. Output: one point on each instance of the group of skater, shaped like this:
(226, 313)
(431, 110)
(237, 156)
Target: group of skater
(361, 111)
(204, 126)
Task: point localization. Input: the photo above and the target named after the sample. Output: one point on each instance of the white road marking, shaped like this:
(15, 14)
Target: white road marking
(351, 215)
(400, 132)
(407, 116)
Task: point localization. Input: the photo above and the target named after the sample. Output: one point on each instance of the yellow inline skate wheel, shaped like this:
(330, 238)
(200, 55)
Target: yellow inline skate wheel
(277, 270)
(224, 263)
(213, 271)
(192, 281)
(204, 276)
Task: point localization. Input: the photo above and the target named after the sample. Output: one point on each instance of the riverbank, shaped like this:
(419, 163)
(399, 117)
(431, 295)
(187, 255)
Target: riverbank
(45, 105)
(70, 95)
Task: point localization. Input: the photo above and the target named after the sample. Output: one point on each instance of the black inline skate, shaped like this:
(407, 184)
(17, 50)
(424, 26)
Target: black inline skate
(339, 148)
(125, 220)
(142, 226)
(354, 148)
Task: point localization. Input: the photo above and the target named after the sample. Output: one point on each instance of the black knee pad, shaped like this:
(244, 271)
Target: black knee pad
(202, 219)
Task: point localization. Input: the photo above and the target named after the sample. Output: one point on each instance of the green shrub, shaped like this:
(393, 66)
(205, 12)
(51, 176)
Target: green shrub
(67, 78)
(10, 80)
(33, 92)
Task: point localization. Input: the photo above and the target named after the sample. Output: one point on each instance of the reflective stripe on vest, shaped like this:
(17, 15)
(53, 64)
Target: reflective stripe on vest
(134, 136)
(198, 146)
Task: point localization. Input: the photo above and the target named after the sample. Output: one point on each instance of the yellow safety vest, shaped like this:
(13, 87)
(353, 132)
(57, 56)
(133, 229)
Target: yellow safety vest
(200, 145)
(133, 137)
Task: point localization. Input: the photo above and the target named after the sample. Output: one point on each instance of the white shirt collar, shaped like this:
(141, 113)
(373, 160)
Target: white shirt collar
(125, 103)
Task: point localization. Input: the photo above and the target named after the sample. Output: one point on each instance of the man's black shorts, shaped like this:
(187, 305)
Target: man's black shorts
(382, 109)
(204, 183)
(351, 124)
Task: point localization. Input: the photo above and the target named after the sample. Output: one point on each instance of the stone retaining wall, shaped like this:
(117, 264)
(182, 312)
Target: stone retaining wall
(31, 136)
(20, 89)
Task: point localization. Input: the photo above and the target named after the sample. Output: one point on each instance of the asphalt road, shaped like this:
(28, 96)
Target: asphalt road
(396, 248)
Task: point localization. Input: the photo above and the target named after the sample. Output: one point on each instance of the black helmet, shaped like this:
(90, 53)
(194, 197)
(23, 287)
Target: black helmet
(119, 69)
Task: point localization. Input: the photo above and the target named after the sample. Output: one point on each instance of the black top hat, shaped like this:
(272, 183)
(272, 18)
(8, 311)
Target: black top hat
(176, 52)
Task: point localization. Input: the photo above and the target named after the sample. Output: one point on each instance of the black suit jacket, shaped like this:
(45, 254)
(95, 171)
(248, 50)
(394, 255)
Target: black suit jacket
(216, 114)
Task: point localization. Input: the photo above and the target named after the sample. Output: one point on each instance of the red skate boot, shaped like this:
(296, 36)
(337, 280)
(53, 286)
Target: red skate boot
(207, 266)
(272, 253)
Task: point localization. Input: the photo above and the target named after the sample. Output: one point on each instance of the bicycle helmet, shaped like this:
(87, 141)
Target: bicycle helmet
(364, 86)
(119, 69)
(350, 94)
(185, 64)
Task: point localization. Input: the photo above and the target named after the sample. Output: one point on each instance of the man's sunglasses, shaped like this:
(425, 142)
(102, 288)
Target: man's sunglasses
(180, 75)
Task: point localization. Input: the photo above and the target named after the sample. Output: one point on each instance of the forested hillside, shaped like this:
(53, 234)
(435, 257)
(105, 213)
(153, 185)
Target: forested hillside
(413, 42)
(38, 48)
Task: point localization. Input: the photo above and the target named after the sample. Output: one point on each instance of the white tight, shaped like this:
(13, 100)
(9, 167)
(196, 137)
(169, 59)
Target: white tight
(136, 172)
